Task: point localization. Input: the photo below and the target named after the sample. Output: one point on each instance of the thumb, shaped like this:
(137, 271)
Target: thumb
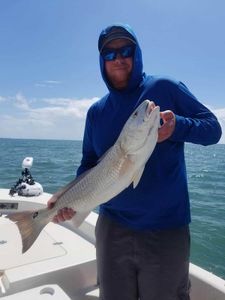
(51, 202)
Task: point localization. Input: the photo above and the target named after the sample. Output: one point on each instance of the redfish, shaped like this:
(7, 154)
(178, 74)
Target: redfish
(122, 165)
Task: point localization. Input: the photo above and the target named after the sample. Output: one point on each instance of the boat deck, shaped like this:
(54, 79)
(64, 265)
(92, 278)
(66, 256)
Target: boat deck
(58, 257)
(62, 262)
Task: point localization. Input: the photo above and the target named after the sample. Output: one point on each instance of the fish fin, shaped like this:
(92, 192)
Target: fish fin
(137, 176)
(28, 226)
(79, 217)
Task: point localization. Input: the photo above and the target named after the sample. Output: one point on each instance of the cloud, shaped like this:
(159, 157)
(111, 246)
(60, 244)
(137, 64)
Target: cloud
(49, 118)
(48, 83)
(2, 99)
(21, 102)
(69, 107)
(53, 81)
(38, 84)
(53, 118)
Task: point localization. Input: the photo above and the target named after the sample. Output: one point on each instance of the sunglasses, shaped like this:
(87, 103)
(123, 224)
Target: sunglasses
(110, 54)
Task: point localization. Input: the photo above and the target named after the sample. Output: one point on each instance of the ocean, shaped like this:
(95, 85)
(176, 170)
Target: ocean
(55, 164)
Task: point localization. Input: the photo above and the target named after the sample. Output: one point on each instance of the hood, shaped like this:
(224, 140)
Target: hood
(137, 70)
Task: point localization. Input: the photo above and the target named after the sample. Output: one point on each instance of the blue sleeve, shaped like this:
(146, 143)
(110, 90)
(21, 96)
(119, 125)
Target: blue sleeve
(89, 158)
(194, 122)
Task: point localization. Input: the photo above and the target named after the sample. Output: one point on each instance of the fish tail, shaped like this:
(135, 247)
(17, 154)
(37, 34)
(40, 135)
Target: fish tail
(30, 225)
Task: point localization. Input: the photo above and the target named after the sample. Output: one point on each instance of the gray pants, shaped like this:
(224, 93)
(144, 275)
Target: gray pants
(146, 265)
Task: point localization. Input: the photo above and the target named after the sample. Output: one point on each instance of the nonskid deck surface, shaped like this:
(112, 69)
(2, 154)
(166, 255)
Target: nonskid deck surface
(58, 257)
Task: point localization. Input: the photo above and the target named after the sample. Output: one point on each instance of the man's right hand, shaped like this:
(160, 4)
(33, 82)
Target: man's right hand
(63, 214)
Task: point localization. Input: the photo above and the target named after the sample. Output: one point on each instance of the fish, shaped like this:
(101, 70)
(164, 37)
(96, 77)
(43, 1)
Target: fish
(122, 165)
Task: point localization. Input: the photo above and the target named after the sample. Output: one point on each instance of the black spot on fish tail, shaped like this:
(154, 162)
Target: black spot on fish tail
(35, 215)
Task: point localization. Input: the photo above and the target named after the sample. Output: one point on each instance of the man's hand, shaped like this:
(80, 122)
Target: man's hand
(63, 214)
(168, 126)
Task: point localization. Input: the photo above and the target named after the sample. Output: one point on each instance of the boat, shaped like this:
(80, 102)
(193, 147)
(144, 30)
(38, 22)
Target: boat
(61, 264)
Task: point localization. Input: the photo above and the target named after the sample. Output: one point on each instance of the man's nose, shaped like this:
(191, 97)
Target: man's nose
(119, 57)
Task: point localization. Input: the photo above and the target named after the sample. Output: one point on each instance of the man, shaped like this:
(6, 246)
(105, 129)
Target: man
(142, 235)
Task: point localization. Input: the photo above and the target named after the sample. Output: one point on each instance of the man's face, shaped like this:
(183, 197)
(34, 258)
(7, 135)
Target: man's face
(118, 70)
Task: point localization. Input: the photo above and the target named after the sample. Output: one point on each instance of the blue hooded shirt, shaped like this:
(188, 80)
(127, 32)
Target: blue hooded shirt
(161, 200)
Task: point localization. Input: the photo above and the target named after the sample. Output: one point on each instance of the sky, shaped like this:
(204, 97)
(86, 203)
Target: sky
(49, 64)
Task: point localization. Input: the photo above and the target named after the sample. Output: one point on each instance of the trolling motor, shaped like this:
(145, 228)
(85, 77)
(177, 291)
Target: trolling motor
(26, 186)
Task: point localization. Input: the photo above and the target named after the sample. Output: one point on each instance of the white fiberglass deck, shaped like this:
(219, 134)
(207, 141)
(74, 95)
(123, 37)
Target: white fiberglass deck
(59, 256)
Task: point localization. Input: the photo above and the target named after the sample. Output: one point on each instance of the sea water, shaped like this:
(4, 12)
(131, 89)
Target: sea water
(55, 164)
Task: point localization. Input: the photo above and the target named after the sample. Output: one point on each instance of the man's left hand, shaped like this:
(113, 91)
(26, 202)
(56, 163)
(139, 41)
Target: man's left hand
(168, 126)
